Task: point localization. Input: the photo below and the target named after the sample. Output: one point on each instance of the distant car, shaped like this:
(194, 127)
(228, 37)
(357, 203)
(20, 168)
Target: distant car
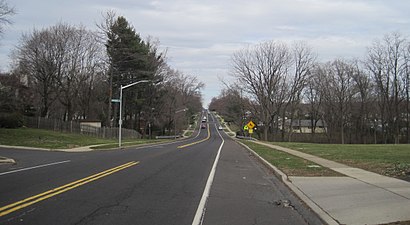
(220, 127)
(203, 126)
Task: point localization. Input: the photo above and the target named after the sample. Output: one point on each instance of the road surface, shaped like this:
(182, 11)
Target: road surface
(208, 179)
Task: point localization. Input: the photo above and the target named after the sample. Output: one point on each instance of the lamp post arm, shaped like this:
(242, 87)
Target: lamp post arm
(129, 85)
(175, 120)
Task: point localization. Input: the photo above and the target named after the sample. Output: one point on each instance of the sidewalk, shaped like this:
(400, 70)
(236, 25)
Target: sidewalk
(362, 197)
(6, 160)
(77, 149)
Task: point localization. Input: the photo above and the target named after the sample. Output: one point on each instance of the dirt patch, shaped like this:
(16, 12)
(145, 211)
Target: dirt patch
(311, 172)
(397, 170)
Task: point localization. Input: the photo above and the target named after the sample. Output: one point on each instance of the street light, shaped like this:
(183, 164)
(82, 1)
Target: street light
(120, 120)
(149, 123)
(175, 120)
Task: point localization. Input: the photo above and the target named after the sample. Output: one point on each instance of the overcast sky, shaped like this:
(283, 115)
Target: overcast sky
(201, 36)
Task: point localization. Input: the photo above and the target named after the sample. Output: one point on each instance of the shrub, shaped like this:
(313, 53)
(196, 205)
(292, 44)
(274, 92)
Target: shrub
(12, 120)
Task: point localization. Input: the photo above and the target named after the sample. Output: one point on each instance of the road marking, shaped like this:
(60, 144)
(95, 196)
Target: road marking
(56, 191)
(197, 142)
(34, 167)
(200, 212)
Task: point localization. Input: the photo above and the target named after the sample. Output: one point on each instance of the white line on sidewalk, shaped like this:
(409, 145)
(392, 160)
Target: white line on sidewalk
(34, 167)
(200, 212)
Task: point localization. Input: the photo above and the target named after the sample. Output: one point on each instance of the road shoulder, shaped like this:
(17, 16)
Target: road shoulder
(244, 192)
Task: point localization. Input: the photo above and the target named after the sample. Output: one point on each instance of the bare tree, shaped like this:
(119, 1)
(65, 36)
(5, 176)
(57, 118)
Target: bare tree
(261, 70)
(406, 80)
(84, 59)
(5, 12)
(386, 62)
(232, 105)
(363, 115)
(303, 61)
(40, 59)
(105, 32)
(59, 60)
(337, 91)
(314, 99)
(177, 91)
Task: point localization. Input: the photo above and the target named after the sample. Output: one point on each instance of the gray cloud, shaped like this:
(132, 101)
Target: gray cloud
(202, 35)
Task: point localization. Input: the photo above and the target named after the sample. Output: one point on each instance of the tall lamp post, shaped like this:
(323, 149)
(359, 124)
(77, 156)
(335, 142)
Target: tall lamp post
(175, 120)
(120, 120)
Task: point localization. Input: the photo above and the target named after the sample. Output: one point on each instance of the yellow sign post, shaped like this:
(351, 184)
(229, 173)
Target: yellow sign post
(251, 125)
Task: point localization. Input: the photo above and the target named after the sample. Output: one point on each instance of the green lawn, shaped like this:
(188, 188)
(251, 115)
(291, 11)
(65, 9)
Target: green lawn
(189, 133)
(390, 160)
(56, 140)
(289, 164)
(46, 139)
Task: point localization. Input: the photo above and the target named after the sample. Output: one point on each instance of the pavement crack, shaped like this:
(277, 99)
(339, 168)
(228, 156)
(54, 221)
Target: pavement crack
(90, 217)
(117, 208)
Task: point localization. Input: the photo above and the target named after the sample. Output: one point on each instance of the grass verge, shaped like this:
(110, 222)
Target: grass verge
(46, 139)
(56, 140)
(289, 164)
(390, 160)
(129, 143)
(188, 133)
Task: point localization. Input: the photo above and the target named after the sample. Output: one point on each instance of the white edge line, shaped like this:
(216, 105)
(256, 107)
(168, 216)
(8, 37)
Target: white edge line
(200, 212)
(34, 167)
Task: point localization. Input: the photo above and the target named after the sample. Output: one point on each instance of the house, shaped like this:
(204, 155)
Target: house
(305, 126)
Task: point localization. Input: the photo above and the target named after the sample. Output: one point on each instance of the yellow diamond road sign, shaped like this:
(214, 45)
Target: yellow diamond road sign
(250, 125)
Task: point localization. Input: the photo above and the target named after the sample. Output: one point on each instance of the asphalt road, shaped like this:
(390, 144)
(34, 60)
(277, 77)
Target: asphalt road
(208, 179)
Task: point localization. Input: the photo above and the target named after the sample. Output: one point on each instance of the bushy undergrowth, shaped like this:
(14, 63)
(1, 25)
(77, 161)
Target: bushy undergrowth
(10, 120)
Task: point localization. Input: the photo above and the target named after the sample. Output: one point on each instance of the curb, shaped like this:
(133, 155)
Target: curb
(316, 208)
(6, 160)
(25, 148)
(78, 149)
(84, 148)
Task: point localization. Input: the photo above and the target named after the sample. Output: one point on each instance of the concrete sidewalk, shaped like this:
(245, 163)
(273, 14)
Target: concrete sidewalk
(6, 160)
(76, 149)
(362, 197)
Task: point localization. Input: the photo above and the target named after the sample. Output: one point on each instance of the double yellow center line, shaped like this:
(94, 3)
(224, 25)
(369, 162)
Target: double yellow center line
(48, 194)
(197, 142)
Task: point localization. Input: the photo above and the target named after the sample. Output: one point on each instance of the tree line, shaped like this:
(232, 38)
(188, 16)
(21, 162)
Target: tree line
(361, 100)
(69, 72)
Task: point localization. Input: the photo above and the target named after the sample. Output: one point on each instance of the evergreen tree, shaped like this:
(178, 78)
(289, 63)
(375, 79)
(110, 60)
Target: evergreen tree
(132, 59)
(128, 54)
